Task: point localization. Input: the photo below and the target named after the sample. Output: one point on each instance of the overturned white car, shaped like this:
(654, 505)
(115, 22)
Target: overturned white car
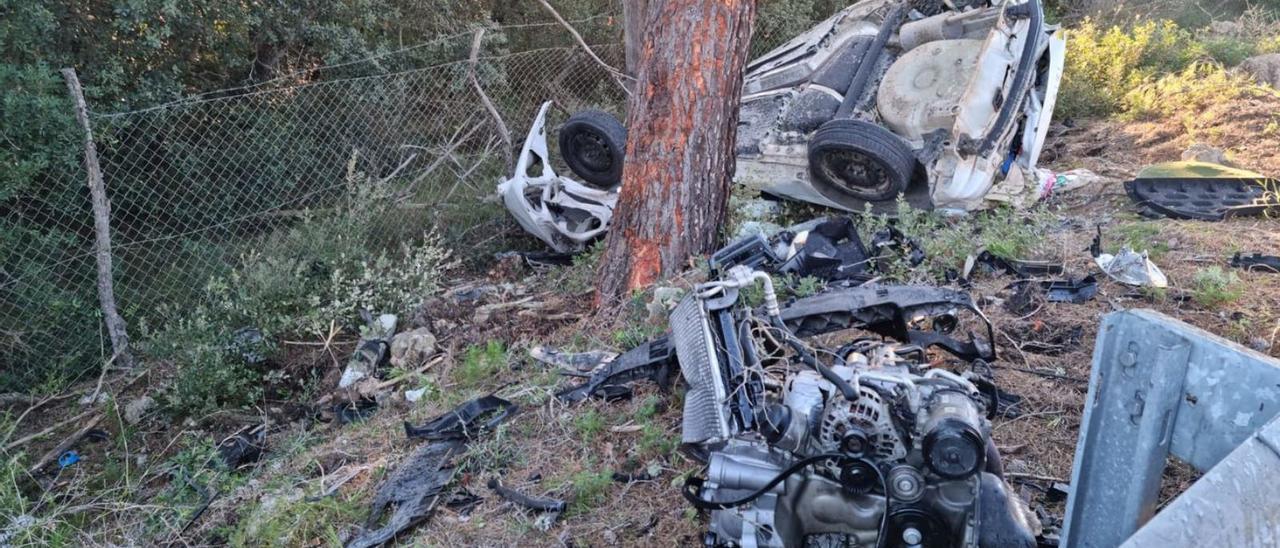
(883, 100)
(945, 103)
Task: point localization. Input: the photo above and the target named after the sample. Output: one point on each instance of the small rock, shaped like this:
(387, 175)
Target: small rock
(1260, 344)
(1200, 152)
(136, 409)
(412, 348)
(610, 538)
(1225, 28)
(1265, 69)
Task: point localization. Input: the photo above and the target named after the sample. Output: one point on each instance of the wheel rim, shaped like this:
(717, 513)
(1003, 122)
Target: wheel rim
(854, 172)
(592, 151)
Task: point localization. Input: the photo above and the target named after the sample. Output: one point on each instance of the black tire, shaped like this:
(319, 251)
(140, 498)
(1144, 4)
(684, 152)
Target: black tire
(852, 158)
(592, 143)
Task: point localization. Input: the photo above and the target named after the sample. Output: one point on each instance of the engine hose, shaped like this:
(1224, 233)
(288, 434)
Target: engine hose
(849, 392)
(693, 487)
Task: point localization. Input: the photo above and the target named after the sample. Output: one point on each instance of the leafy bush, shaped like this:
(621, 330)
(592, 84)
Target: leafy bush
(1212, 287)
(1103, 64)
(1189, 92)
(300, 281)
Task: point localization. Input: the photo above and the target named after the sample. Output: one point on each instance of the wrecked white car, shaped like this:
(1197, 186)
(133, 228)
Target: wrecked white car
(945, 103)
(562, 212)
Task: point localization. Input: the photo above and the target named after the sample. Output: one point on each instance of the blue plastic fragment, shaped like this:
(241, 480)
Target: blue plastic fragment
(67, 459)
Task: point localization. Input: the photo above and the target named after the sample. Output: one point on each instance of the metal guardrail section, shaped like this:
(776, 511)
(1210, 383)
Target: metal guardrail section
(1160, 387)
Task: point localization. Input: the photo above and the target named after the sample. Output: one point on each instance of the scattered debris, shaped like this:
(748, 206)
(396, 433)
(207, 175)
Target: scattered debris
(1067, 181)
(1127, 266)
(464, 421)
(348, 412)
(829, 249)
(652, 360)
(1071, 290)
(412, 491)
(540, 504)
(371, 352)
(1257, 261)
(1013, 267)
(538, 259)
(1202, 191)
(572, 363)
(412, 396)
(412, 348)
(243, 447)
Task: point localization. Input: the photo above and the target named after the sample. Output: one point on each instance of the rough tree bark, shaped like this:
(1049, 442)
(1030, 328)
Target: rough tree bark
(101, 227)
(633, 25)
(681, 127)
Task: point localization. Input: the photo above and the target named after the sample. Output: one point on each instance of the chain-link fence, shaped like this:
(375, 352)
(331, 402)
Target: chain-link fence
(199, 184)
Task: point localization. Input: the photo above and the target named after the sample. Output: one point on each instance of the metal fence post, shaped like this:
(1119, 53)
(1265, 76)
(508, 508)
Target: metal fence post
(101, 228)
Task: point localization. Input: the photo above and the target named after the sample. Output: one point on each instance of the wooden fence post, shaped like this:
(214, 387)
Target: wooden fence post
(101, 227)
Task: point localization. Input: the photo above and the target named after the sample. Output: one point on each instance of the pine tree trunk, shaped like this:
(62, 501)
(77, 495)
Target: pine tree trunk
(681, 128)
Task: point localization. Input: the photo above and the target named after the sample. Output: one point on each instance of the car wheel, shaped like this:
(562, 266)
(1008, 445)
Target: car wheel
(859, 159)
(592, 143)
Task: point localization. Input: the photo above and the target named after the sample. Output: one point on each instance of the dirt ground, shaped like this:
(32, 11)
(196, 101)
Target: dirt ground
(315, 481)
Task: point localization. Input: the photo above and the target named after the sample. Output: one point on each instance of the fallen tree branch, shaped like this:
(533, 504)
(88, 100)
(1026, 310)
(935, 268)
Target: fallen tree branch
(65, 444)
(501, 126)
(618, 76)
(49, 430)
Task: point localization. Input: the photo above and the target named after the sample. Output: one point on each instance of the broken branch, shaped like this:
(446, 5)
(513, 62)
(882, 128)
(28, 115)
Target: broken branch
(618, 76)
(503, 132)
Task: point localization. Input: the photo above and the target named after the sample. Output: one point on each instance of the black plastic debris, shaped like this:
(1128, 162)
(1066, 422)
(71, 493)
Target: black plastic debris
(348, 412)
(463, 501)
(411, 492)
(243, 447)
(633, 477)
(825, 248)
(1203, 198)
(753, 251)
(540, 504)
(831, 251)
(465, 421)
(1256, 262)
(1071, 290)
(1019, 268)
(653, 360)
(890, 242)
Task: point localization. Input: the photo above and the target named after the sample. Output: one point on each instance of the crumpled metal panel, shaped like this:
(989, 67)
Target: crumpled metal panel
(1235, 504)
(564, 213)
(1160, 387)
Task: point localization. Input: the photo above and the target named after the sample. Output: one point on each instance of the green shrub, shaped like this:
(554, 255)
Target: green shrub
(1103, 64)
(1212, 287)
(1188, 93)
(481, 364)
